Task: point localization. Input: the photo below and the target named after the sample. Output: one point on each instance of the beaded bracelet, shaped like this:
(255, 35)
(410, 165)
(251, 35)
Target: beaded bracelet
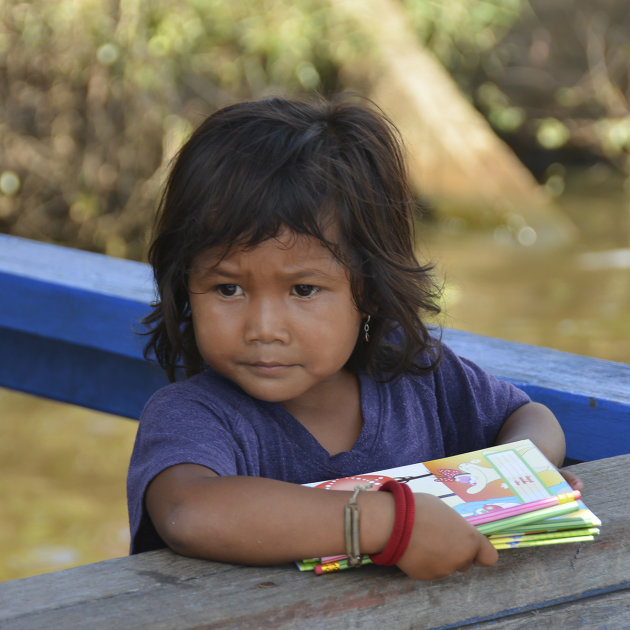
(405, 507)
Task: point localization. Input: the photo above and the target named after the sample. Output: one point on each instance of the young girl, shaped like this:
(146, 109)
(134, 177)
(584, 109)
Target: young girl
(290, 295)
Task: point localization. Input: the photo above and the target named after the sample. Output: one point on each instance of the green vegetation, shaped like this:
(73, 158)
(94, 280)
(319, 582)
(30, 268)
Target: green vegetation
(99, 94)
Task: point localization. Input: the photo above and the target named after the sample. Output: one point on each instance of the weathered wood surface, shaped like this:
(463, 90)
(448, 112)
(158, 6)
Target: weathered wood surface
(566, 586)
(610, 611)
(68, 331)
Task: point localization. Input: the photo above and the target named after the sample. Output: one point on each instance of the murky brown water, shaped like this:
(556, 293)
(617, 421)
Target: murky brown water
(62, 468)
(577, 301)
(62, 475)
(574, 298)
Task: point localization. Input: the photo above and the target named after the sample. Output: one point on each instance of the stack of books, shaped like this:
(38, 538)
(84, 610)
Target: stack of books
(511, 492)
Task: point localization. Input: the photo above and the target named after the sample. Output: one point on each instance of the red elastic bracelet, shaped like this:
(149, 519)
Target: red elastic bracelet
(405, 507)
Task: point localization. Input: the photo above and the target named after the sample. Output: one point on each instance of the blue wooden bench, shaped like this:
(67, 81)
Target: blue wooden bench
(69, 330)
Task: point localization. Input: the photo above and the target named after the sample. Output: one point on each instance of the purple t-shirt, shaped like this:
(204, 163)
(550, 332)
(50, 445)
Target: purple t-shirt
(208, 420)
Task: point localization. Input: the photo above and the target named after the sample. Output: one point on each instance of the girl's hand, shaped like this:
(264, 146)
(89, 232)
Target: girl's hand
(573, 480)
(442, 542)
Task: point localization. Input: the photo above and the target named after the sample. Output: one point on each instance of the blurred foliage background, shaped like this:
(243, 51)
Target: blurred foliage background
(98, 94)
(517, 120)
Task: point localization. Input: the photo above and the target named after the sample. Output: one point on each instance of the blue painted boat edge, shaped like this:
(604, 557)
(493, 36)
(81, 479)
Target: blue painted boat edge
(88, 377)
(544, 367)
(59, 328)
(594, 427)
(76, 315)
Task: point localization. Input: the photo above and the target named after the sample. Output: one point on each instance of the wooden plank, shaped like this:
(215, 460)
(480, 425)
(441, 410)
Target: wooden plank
(55, 264)
(69, 324)
(610, 611)
(594, 427)
(75, 374)
(80, 297)
(545, 368)
(590, 397)
(161, 590)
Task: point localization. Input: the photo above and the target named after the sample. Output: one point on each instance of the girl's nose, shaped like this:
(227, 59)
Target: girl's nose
(267, 322)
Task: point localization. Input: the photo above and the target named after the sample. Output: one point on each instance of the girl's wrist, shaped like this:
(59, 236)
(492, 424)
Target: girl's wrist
(378, 512)
(404, 518)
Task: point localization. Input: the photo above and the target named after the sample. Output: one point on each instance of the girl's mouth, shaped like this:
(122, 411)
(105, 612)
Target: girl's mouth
(269, 367)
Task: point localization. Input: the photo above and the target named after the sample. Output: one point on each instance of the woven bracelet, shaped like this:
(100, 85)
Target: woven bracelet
(405, 513)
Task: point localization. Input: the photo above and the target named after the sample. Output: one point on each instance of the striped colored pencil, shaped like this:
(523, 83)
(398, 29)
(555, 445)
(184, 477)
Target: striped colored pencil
(540, 543)
(499, 539)
(524, 508)
(338, 565)
(528, 518)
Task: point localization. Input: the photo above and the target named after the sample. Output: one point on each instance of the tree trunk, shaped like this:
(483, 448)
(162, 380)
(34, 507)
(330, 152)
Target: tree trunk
(455, 159)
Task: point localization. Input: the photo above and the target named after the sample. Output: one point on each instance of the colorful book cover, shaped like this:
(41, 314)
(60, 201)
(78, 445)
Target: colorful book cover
(489, 483)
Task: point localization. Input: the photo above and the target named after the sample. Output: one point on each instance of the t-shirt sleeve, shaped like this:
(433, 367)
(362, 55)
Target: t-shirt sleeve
(174, 428)
(473, 403)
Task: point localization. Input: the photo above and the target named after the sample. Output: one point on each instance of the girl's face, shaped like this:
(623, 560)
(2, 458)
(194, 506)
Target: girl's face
(278, 319)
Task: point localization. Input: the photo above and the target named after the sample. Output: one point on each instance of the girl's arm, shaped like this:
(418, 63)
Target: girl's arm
(537, 422)
(256, 521)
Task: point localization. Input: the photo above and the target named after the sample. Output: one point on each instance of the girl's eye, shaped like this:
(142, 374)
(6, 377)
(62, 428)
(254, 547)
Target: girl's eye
(305, 290)
(229, 290)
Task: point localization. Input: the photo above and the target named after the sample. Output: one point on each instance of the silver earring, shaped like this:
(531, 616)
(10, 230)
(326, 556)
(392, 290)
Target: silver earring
(366, 329)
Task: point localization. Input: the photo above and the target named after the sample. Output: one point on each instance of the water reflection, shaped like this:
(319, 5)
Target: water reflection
(545, 298)
(62, 475)
(574, 298)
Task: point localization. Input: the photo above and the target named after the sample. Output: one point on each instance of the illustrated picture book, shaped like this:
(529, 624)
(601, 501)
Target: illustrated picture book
(511, 492)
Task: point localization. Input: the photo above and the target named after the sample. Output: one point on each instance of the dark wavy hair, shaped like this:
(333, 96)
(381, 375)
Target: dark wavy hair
(254, 168)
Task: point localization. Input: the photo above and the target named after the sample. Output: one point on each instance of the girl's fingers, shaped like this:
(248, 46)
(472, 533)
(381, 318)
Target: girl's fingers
(573, 480)
(487, 555)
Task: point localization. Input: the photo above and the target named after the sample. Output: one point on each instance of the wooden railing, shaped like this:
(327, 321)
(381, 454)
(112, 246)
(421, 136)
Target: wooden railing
(70, 331)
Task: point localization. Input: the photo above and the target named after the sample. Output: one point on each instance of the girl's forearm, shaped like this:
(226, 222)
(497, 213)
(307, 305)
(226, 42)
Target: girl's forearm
(536, 422)
(252, 520)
